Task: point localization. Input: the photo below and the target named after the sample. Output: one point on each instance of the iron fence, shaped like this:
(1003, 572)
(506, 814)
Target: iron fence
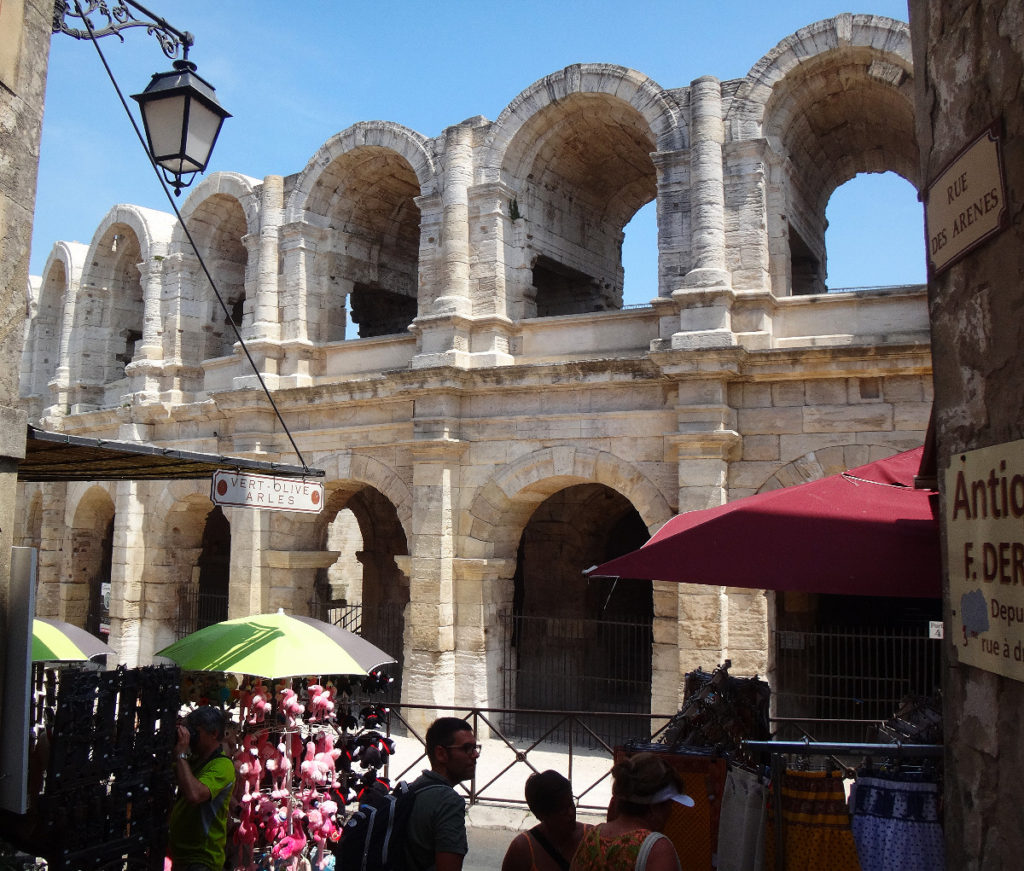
(198, 610)
(845, 681)
(512, 758)
(601, 667)
(382, 625)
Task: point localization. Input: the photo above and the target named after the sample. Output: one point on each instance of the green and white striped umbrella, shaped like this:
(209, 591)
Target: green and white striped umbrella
(57, 641)
(274, 646)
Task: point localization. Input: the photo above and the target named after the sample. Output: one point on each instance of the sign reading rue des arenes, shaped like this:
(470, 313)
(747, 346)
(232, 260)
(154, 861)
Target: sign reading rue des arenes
(966, 204)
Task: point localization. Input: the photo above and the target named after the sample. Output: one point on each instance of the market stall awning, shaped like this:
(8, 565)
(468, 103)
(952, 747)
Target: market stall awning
(51, 456)
(868, 531)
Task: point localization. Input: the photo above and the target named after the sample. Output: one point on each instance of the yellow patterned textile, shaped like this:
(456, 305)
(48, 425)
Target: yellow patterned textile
(816, 824)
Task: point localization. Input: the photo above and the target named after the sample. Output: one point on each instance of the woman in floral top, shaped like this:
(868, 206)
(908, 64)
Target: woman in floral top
(643, 789)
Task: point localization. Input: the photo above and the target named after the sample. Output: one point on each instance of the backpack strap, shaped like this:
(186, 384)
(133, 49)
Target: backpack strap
(549, 848)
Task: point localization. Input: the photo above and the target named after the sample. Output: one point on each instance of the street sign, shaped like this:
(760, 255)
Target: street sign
(245, 490)
(966, 204)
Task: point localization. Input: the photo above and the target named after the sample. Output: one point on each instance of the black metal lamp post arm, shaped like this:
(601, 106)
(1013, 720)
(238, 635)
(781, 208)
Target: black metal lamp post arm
(120, 17)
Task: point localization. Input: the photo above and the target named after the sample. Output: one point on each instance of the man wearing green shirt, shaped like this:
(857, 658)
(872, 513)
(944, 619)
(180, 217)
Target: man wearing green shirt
(206, 778)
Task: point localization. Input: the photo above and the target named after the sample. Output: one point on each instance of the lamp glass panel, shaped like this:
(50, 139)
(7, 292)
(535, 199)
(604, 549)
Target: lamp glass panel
(163, 124)
(203, 126)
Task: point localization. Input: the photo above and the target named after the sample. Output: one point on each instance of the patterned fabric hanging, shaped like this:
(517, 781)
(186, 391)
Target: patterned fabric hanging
(897, 824)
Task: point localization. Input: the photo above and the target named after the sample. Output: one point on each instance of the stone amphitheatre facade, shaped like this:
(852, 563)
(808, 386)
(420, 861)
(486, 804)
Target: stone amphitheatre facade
(440, 321)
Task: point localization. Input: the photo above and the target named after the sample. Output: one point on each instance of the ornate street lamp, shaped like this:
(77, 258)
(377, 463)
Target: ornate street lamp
(180, 112)
(182, 119)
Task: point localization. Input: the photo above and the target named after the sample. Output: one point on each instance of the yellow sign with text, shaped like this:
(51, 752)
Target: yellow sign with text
(984, 498)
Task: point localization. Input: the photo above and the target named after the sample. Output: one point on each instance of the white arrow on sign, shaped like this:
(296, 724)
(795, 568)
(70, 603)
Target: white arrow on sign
(244, 490)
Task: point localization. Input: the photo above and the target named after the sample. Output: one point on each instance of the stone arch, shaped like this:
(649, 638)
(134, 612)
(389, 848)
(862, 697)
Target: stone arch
(29, 532)
(574, 153)
(387, 135)
(359, 203)
(230, 184)
(88, 561)
(661, 113)
(821, 463)
(363, 470)
(502, 507)
(49, 327)
(220, 213)
(832, 100)
(108, 318)
(177, 524)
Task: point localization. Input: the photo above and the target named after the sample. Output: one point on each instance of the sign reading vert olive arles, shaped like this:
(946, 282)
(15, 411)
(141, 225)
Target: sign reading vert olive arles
(966, 204)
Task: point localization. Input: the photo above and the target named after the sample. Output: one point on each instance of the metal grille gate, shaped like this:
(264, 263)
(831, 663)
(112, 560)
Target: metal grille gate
(852, 674)
(579, 665)
(384, 627)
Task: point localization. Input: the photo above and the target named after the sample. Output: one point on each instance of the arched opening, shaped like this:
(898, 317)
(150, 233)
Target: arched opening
(840, 659)
(575, 643)
(92, 544)
(870, 246)
(640, 257)
(218, 226)
(581, 167)
(214, 570)
(46, 329)
(368, 266)
(834, 115)
(108, 317)
(837, 659)
(364, 591)
(98, 620)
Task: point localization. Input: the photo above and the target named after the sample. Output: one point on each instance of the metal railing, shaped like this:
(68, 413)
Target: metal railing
(382, 625)
(512, 758)
(198, 610)
(576, 664)
(846, 680)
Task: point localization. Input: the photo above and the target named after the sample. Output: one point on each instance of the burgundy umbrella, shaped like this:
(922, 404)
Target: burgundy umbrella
(865, 532)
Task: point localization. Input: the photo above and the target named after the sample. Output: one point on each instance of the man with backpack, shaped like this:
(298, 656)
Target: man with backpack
(436, 835)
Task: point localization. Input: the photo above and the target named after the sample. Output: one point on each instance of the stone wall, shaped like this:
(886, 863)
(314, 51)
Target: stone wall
(969, 62)
(521, 425)
(24, 54)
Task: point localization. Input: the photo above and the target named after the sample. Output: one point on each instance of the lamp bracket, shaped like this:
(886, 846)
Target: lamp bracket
(120, 17)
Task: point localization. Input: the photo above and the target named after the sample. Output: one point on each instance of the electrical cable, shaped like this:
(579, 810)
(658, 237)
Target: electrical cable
(188, 235)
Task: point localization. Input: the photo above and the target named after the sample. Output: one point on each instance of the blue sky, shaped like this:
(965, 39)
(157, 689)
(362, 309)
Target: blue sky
(294, 74)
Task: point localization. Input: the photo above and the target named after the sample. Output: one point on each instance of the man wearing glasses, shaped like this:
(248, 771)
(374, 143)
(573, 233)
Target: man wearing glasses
(436, 837)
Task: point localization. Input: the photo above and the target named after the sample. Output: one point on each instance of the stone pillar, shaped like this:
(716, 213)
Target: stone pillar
(703, 461)
(483, 589)
(458, 174)
(61, 381)
(748, 169)
(266, 316)
(261, 326)
(184, 343)
(145, 368)
(139, 624)
(443, 326)
(430, 673)
(52, 542)
(249, 572)
(707, 188)
(706, 297)
(666, 664)
(675, 246)
(291, 579)
(301, 305)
